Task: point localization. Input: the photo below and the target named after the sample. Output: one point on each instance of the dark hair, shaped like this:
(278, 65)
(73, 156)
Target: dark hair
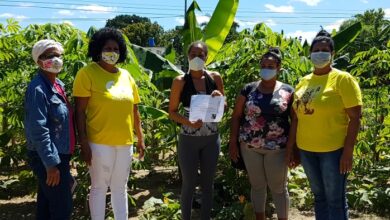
(100, 38)
(323, 36)
(273, 52)
(203, 44)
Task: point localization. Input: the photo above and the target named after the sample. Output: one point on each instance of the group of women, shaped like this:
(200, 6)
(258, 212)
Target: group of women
(273, 127)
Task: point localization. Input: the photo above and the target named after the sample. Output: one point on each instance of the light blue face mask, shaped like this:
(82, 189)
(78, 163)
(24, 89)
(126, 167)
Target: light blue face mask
(267, 74)
(320, 59)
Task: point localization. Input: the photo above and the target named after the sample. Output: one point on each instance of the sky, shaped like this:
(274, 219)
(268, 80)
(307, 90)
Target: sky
(295, 17)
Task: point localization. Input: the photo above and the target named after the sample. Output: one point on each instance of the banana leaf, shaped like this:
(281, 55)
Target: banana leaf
(348, 35)
(162, 71)
(219, 26)
(191, 31)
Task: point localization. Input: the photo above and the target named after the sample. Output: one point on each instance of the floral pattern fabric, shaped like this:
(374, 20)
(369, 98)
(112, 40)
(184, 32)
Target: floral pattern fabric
(265, 123)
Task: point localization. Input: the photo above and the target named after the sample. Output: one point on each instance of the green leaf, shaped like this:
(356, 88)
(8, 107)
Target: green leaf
(219, 26)
(348, 35)
(170, 54)
(191, 31)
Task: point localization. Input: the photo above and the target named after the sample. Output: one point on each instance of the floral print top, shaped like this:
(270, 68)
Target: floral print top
(265, 122)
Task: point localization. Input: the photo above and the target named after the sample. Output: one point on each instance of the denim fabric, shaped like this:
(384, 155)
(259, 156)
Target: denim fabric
(46, 120)
(53, 203)
(326, 183)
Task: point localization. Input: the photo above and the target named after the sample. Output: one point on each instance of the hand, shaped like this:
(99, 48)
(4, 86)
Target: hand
(196, 124)
(86, 153)
(346, 161)
(216, 93)
(233, 151)
(53, 176)
(141, 149)
(292, 158)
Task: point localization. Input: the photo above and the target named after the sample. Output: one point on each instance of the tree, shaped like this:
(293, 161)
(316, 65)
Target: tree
(121, 21)
(139, 33)
(375, 32)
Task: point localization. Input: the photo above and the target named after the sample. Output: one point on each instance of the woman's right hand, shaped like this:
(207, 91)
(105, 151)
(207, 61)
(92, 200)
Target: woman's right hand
(233, 151)
(86, 153)
(196, 124)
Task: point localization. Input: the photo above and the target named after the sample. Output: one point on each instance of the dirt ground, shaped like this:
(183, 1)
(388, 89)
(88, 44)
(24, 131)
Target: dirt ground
(149, 183)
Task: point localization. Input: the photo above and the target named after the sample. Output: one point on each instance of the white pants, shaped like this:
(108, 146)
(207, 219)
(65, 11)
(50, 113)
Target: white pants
(110, 167)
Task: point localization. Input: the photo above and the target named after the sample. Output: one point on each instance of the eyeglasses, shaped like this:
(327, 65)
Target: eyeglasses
(49, 56)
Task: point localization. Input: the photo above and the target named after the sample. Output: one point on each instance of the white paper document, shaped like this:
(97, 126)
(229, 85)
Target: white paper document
(207, 108)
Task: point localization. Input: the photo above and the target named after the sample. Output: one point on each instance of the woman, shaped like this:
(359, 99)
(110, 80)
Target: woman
(106, 116)
(199, 141)
(327, 110)
(49, 132)
(261, 122)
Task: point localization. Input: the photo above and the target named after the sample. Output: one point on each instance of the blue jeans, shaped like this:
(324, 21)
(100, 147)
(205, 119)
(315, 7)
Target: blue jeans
(326, 183)
(53, 203)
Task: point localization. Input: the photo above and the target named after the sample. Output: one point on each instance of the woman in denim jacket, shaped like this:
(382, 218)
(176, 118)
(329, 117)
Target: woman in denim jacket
(49, 132)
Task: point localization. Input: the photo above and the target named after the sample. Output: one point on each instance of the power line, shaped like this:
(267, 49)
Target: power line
(172, 15)
(174, 8)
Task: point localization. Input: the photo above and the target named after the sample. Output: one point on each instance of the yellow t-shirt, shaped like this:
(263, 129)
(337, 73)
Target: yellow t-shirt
(110, 107)
(320, 103)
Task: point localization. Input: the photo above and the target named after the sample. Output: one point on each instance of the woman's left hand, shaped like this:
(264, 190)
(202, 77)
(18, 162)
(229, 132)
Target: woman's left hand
(216, 93)
(141, 149)
(346, 161)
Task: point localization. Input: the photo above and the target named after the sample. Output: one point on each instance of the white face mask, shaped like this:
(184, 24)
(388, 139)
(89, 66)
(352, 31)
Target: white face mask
(196, 64)
(53, 65)
(267, 74)
(110, 57)
(320, 59)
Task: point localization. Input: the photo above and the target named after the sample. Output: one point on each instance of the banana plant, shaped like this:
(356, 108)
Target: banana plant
(348, 35)
(215, 32)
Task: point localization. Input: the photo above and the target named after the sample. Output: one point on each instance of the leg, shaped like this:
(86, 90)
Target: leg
(311, 165)
(276, 173)
(188, 161)
(335, 184)
(39, 171)
(254, 163)
(208, 164)
(119, 178)
(103, 157)
(55, 202)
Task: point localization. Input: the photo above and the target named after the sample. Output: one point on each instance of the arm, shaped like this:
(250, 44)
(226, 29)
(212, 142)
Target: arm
(40, 136)
(354, 114)
(138, 132)
(174, 100)
(219, 82)
(81, 106)
(234, 129)
(292, 158)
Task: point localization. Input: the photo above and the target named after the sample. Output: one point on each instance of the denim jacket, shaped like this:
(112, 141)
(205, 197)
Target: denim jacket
(46, 120)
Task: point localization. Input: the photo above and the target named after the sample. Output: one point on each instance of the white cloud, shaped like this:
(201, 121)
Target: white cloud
(95, 9)
(280, 9)
(9, 15)
(65, 12)
(270, 23)
(364, 1)
(305, 35)
(6, 15)
(309, 2)
(387, 13)
(24, 4)
(68, 22)
(199, 18)
(246, 24)
(335, 25)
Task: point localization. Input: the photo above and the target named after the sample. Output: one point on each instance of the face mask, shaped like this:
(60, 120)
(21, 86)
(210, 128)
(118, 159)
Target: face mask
(53, 65)
(320, 59)
(267, 74)
(196, 64)
(110, 57)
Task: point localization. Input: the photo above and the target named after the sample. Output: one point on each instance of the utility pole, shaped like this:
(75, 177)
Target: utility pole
(185, 8)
